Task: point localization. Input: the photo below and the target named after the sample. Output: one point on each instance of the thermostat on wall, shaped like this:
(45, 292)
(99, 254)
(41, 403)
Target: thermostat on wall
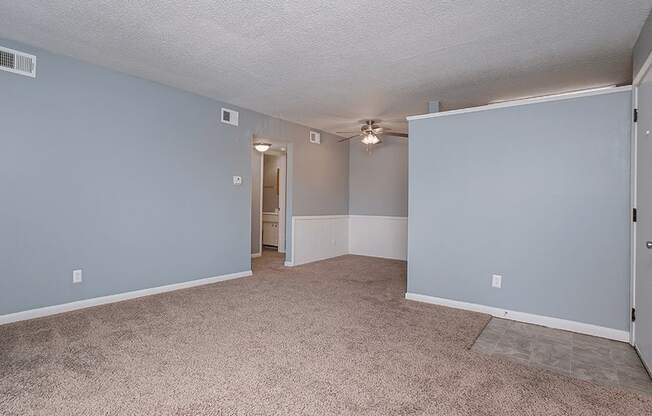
(315, 137)
(229, 117)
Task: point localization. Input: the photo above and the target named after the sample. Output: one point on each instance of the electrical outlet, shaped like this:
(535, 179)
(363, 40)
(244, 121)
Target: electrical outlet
(77, 276)
(237, 180)
(496, 280)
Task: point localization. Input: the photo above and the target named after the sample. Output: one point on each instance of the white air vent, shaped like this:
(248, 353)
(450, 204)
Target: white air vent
(229, 117)
(315, 137)
(17, 62)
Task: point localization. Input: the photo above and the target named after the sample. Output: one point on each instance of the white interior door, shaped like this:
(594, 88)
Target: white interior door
(643, 282)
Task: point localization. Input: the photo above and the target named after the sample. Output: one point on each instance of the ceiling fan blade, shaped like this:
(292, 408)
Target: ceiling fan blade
(345, 132)
(395, 134)
(348, 138)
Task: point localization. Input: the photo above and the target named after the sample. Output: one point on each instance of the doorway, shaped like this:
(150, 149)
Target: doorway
(269, 199)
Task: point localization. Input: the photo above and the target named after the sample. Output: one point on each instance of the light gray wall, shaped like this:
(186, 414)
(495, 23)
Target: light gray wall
(378, 181)
(643, 46)
(321, 174)
(131, 181)
(538, 193)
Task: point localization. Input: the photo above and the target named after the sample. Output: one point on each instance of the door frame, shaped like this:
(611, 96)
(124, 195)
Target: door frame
(282, 203)
(260, 208)
(634, 197)
(632, 226)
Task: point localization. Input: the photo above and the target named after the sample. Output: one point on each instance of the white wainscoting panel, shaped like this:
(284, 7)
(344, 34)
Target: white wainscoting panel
(378, 236)
(319, 237)
(324, 236)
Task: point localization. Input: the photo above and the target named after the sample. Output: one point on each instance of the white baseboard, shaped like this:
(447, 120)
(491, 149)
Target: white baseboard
(87, 303)
(573, 326)
(288, 264)
(256, 255)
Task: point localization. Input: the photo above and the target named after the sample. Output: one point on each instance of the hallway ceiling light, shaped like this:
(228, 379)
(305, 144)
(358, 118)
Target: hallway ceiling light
(262, 146)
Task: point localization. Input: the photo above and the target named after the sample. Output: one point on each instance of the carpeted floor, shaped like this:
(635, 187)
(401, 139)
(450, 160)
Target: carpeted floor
(328, 338)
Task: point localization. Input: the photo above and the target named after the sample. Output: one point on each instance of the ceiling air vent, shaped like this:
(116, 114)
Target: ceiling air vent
(17, 62)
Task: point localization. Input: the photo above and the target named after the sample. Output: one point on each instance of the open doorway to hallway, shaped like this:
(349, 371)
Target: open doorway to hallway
(269, 197)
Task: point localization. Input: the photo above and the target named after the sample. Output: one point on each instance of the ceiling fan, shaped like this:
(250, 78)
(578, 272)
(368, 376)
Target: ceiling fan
(371, 132)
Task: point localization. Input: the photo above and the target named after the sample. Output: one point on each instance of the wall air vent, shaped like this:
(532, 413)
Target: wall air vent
(229, 117)
(315, 137)
(17, 62)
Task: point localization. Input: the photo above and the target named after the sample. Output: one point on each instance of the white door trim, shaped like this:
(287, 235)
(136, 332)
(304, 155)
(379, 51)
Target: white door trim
(260, 208)
(632, 234)
(282, 202)
(634, 192)
(646, 71)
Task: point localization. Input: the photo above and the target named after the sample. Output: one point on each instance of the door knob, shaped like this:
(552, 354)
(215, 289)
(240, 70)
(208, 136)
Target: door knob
(648, 244)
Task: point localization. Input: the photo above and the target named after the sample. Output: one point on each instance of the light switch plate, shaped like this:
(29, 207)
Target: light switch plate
(77, 276)
(237, 180)
(496, 280)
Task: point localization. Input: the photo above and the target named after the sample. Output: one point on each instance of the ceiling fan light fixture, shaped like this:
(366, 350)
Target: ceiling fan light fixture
(370, 139)
(262, 146)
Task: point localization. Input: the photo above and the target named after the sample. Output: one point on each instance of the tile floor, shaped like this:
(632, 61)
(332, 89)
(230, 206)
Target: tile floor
(582, 356)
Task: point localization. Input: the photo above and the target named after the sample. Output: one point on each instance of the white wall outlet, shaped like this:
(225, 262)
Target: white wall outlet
(77, 276)
(237, 180)
(496, 280)
(315, 137)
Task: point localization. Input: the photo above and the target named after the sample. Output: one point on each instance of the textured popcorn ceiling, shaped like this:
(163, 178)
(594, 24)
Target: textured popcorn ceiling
(328, 64)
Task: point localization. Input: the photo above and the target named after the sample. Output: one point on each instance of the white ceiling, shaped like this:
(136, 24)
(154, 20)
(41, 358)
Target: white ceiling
(327, 64)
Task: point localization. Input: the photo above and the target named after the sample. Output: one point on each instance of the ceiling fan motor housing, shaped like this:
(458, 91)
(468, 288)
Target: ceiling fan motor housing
(370, 132)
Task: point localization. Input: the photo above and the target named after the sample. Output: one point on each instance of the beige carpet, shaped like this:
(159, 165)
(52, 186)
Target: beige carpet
(330, 338)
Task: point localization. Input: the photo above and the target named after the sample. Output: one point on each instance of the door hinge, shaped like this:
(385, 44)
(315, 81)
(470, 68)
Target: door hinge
(633, 314)
(634, 215)
(635, 115)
